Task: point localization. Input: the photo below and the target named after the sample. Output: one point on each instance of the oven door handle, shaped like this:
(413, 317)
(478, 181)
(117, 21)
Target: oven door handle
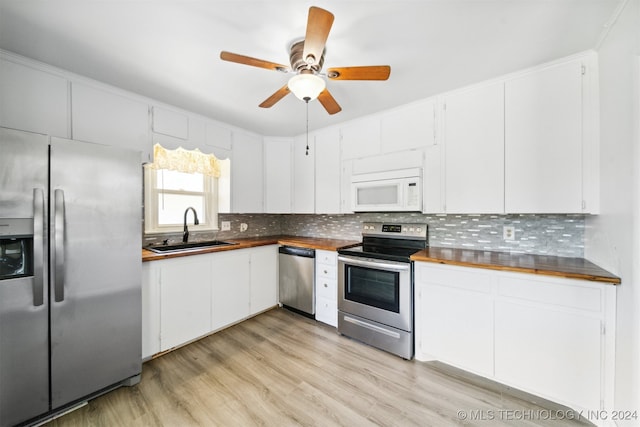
(379, 264)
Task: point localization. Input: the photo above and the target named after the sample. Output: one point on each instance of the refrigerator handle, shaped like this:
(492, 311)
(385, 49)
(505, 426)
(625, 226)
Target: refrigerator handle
(58, 245)
(38, 247)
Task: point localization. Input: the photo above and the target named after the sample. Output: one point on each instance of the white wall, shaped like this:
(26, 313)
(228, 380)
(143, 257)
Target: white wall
(612, 239)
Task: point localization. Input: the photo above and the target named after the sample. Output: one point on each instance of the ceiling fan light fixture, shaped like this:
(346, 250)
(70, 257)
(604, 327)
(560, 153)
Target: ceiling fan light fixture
(306, 87)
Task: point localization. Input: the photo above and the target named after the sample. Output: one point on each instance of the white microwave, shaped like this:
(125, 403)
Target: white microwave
(399, 191)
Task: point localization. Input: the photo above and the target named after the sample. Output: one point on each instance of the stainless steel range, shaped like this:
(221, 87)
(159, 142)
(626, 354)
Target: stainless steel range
(375, 286)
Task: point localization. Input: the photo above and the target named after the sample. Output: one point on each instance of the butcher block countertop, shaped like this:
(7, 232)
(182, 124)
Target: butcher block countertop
(573, 268)
(251, 242)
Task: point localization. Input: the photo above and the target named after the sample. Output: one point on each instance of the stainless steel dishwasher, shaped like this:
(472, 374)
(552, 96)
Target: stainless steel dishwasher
(297, 266)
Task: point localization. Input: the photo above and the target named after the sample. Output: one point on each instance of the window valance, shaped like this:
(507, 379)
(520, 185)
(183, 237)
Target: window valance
(188, 161)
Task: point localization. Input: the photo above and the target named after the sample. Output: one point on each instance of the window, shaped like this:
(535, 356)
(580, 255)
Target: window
(179, 179)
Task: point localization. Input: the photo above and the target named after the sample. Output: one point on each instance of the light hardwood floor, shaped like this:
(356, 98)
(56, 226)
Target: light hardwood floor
(282, 369)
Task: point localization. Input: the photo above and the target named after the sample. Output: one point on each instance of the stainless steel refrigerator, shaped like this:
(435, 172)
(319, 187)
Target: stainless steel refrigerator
(70, 273)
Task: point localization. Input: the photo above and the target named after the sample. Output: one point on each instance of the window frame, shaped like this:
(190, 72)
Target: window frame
(151, 196)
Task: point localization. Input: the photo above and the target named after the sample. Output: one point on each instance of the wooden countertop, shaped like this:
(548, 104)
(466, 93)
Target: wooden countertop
(574, 268)
(251, 242)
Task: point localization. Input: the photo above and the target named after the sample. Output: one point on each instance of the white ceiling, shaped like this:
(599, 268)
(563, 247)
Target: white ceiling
(169, 49)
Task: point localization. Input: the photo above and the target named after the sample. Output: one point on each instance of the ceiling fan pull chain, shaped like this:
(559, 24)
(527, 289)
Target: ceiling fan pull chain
(306, 100)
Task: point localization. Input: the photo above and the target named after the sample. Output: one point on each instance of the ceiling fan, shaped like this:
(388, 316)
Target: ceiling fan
(306, 58)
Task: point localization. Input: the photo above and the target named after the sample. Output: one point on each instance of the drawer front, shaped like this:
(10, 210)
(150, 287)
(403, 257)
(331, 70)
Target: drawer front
(326, 288)
(327, 311)
(569, 293)
(328, 271)
(326, 257)
(464, 278)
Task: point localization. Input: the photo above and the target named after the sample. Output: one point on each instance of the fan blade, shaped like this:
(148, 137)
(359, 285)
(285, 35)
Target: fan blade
(277, 96)
(318, 26)
(328, 102)
(254, 62)
(374, 72)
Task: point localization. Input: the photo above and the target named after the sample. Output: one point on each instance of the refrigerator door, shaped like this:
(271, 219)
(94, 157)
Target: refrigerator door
(24, 341)
(96, 210)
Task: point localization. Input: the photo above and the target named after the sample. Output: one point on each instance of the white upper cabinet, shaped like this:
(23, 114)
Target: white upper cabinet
(407, 127)
(327, 181)
(544, 146)
(277, 174)
(474, 150)
(171, 123)
(218, 136)
(346, 172)
(109, 118)
(177, 128)
(360, 138)
(432, 177)
(33, 100)
(247, 174)
(303, 175)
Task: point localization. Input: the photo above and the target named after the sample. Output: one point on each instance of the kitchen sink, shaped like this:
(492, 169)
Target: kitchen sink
(180, 247)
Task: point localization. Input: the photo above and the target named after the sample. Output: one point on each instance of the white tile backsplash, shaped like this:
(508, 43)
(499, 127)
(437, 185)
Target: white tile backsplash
(559, 235)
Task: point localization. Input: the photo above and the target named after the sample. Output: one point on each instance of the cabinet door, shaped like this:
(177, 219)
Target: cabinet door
(169, 122)
(454, 313)
(230, 275)
(247, 174)
(264, 278)
(277, 175)
(327, 157)
(150, 310)
(549, 352)
(346, 171)
(109, 118)
(303, 175)
(407, 127)
(432, 174)
(543, 141)
(217, 136)
(474, 150)
(185, 302)
(360, 138)
(33, 100)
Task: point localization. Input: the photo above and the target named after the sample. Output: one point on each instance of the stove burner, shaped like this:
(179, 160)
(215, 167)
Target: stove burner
(393, 242)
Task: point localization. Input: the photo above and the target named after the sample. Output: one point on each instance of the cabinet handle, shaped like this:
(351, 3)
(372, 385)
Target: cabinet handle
(325, 272)
(325, 285)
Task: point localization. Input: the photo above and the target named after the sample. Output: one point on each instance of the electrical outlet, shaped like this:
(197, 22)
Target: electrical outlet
(226, 225)
(243, 227)
(509, 232)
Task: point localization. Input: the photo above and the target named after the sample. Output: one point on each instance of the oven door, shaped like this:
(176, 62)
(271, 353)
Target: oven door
(377, 290)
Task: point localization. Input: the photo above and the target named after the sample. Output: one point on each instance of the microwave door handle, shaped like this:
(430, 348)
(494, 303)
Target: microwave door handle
(58, 245)
(38, 247)
(375, 264)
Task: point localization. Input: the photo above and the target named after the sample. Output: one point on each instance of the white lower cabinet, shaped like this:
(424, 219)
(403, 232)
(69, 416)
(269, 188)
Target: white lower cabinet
(326, 284)
(230, 280)
(552, 351)
(263, 278)
(189, 297)
(150, 310)
(549, 336)
(185, 292)
(454, 318)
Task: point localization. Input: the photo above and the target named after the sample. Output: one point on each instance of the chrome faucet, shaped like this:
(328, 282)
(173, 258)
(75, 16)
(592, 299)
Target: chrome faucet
(185, 234)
